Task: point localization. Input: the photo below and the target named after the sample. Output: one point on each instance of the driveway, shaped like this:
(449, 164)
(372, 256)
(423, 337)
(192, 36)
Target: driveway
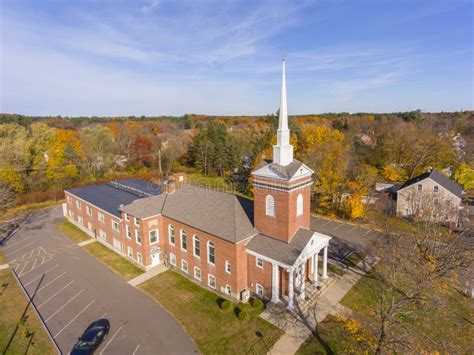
(71, 289)
(346, 237)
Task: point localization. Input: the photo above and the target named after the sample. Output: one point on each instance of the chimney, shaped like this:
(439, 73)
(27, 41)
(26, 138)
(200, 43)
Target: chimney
(170, 185)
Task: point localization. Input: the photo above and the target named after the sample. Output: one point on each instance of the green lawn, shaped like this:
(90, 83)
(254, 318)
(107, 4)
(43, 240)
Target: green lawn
(29, 337)
(213, 331)
(114, 261)
(73, 232)
(331, 338)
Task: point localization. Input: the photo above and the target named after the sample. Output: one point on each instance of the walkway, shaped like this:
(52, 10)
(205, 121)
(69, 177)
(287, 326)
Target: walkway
(147, 275)
(299, 327)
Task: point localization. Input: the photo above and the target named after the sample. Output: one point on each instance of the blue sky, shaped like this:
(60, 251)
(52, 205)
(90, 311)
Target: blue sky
(163, 57)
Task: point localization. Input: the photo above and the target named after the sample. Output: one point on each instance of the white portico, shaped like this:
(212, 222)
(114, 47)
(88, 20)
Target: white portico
(293, 264)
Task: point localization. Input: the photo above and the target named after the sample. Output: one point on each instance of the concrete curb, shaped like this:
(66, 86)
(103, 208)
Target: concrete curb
(4, 266)
(86, 242)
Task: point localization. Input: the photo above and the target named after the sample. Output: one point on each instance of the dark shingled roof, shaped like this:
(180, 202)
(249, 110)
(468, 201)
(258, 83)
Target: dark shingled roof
(278, 250)
(439, 178)
(222, 214)
(285, 171)
(109, 197)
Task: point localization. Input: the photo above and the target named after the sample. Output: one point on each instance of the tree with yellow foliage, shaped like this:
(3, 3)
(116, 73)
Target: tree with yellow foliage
(464, 175)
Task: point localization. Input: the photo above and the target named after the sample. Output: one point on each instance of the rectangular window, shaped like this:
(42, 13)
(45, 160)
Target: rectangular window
(211, 281)
(71, 214)
(127, 217)
(102, 235)
(138, 237)
(197, 273)
(127, 231)
(259, 289)
(228, 268)
(137, 222)
(153, 236)
(172, 259)
(130, 252)
(197, 246)
(89, 226)
(78, 204)
(89, 210)
(184, 266)
(436, 189)
(115, 226)
(171, 236)
(80, 220)
(228, 289)
(101, 217)
(260, 263)
(184, 240)
(140, 258)
(211, 253)
(420, 187)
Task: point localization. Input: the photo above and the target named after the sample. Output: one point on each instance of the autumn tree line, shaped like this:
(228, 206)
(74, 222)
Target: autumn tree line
(348, 152)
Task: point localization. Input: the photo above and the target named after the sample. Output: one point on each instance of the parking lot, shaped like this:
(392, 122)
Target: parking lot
(71, 289)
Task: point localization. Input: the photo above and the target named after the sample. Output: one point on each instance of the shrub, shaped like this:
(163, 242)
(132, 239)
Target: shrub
(226, 305)
(242, 315)
(257, 303)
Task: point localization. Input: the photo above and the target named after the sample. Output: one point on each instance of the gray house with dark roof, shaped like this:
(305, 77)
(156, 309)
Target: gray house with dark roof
(430, 196)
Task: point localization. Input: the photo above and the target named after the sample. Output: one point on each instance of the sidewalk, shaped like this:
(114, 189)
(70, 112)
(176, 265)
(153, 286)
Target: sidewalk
(299, 328)
(147, 275)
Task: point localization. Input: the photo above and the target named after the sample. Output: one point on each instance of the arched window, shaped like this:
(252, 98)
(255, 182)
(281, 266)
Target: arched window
(299, 205)
(270, 206)
(197, 246)
(211, 253)
(184, 239)
(171, 233)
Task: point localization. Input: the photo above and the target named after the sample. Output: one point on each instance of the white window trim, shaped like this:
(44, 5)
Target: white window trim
(299, 205)
(194, 246)
(127, 217)
(137, 222)
(172, 259)
(181, 231)
(200, 274)
(184, 262)
(136, 236)
(80, 220)
(270, 210)
(227, 263)
(101, 217)
(113, 225)
(208, 253)
(78, 204)
(140, 256)
(256, 262)
(228, 288)
(257, 287)
(89, 210)
(157, 236)
(89, 226)
(128, 233)
(128, 252)
(209, 277)
(171, 227)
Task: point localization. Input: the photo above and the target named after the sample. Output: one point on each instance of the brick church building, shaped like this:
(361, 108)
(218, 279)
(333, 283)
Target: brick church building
(222, 241)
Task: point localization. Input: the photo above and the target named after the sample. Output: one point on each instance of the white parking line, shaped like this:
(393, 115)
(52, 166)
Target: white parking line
(108, 343)
(16, 251)
(36, 278)
(19, 242)
(325, 224)
(50, 282)
(55, 294)
(136, 349)
(350, 230)
(339, 226)
(23, 268)
(103, 315)
(64, 305)
(72, 320)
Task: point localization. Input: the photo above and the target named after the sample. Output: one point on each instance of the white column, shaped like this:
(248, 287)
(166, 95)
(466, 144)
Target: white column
(303, 274)
(315, 268)
(290, 290)
(275, 284)
(325, 262)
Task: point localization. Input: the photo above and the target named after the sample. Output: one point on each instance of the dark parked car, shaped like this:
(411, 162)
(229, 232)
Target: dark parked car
(91, 338)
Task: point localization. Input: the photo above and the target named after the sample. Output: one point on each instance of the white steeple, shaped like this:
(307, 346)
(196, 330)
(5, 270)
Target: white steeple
(283, 151)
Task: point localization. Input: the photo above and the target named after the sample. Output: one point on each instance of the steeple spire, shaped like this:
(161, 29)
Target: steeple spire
(283, 151)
